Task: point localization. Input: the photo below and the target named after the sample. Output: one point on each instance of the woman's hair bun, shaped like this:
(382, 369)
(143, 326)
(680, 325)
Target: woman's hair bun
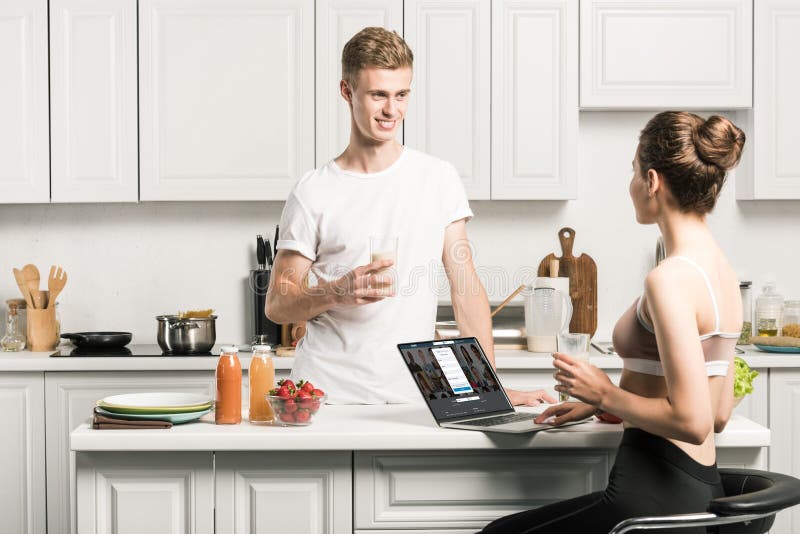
(719, 142)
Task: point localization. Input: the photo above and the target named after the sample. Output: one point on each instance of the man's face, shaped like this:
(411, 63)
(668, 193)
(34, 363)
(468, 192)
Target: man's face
(379, 102)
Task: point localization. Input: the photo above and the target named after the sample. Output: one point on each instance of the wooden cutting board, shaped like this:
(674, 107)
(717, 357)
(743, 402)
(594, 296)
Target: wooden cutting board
(582, 273)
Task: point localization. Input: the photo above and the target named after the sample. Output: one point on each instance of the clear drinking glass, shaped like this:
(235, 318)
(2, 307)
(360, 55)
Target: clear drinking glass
(575, 346)
(383, 247)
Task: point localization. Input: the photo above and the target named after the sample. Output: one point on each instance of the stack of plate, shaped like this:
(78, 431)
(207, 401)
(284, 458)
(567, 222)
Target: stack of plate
(159, 406)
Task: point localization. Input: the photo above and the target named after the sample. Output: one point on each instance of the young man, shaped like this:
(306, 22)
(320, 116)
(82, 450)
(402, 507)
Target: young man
(359, 310)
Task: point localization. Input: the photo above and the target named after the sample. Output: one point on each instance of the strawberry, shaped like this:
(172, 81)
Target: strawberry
(303, 416)
(318, 393)
(284, 392)
(314, 406)
(308, 387)
(289, 406)
(273, 392)
(287, 417)
(286, 382)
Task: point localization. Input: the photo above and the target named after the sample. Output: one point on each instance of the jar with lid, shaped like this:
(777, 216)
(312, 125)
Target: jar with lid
(769, 311)
(745, 288)
(228, 408)
(14, 339)
(791, 318)
(261, 378)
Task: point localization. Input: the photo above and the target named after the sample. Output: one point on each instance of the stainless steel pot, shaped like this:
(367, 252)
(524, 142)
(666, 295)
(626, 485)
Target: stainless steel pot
(186, 336)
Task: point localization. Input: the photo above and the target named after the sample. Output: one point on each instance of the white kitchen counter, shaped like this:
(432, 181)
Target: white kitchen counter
(506, 359)
(382, 427)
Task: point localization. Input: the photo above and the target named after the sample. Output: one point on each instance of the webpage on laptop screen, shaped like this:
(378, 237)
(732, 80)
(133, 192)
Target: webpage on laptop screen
(454, 379)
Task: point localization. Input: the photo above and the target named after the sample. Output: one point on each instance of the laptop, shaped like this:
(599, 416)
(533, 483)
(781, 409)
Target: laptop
(461, 388)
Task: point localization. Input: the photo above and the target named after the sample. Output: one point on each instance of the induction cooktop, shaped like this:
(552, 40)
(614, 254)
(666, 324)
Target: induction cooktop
(136, 351)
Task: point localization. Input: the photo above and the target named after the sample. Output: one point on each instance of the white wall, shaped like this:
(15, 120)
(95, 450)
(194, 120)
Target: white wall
(128, 263)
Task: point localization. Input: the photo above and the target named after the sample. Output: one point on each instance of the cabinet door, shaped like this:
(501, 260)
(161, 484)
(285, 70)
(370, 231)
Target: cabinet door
(226, 96)
(666, 54)
(93, 101)
(70, 398)
(146, 492)
(467, 489)
(448, 115)
(770, 167)
(784, 413)
(24, 145)
(23, 508)
(297, 492)
(534, 99)
(337, 22)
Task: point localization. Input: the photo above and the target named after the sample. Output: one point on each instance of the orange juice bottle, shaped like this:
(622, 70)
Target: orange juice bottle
(262, 379)
(228, 410)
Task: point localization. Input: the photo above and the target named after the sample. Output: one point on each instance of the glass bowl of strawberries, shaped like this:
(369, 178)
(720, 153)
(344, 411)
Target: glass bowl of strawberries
(295, 405)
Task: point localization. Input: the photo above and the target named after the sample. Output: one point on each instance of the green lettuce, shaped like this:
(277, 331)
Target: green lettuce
(743, 378)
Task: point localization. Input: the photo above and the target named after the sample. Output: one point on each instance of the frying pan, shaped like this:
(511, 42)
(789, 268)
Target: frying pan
(97, 340)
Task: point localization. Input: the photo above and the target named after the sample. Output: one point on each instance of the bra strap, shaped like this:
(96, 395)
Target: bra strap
(708, 284)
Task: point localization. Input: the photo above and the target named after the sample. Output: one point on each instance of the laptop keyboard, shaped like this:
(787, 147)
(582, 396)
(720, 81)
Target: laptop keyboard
(502, 419)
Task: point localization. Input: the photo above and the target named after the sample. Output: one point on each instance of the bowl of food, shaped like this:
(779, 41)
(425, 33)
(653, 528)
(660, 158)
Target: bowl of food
(295, 405)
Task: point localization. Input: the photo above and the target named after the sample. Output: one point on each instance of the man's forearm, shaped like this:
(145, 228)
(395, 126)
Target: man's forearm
(473, 318)
(288, 303)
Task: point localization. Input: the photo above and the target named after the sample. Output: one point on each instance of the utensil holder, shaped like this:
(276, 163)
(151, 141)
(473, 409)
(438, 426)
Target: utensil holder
(264, 330)
(42, 330)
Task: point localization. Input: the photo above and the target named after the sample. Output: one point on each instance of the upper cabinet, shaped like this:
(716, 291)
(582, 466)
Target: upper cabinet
(337, 22)
(770, 168)
(24, 145)
(534, 99)
(682, 54)
(448, 115)
(226, 98)
(93, 123)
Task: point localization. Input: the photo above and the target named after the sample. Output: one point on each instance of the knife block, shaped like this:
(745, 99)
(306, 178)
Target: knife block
(264, 330)
(42, 329)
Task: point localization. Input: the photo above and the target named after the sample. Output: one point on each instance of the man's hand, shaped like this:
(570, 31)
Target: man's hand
(566, 412)
(364, 285)
(528, 398)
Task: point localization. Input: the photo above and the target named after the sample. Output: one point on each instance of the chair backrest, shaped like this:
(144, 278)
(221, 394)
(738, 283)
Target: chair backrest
(748, 491)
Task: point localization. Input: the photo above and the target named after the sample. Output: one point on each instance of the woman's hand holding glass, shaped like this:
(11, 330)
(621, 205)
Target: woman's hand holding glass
(580, 379)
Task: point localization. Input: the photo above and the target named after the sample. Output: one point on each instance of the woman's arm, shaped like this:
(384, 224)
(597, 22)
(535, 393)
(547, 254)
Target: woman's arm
(686, 414)
(725, 407)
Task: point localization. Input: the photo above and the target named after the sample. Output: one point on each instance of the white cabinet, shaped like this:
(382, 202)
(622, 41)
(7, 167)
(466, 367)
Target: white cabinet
(468, 489)
(299, 492)
(534, 99)
(22, 466)
(337, 22)
(226, 98)
(448, 115)
(24, 145)
(770, 167)
(153, 493)
(70, 398)
(685, 54)
(784, 414)
(93, 122)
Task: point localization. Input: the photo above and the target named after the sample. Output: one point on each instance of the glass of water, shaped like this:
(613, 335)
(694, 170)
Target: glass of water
(576, 346)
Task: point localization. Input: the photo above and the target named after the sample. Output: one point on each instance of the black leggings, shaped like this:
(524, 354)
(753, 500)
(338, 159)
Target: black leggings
(651, 476)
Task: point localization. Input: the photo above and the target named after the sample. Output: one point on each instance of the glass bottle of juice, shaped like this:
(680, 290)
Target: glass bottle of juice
(262, 379)
(228, 409)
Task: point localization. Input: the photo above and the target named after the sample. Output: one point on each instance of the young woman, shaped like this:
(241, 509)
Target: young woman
(676, 340)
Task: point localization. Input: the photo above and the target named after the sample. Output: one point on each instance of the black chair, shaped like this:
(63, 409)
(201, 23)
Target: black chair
(752, 498)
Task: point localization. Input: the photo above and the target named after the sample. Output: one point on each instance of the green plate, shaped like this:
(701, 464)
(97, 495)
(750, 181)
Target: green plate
(771, 348)
(174, 418)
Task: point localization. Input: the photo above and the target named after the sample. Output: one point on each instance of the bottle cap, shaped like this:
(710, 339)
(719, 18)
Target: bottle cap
(262, 348)
(226, 349)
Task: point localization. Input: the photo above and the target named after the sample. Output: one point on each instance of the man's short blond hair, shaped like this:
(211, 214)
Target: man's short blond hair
(374, 47)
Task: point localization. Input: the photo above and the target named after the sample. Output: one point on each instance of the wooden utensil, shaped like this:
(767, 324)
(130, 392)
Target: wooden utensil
(55, 283)
(23, 287)
(508, 299)
(582, 273)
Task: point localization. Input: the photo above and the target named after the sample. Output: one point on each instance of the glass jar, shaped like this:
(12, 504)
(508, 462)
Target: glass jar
(745, 288)
(14, 340)
(791, 318)
(261, 380)
(228, 408)
(769, 311)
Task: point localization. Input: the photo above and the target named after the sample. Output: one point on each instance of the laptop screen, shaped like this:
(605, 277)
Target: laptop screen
(455, 378)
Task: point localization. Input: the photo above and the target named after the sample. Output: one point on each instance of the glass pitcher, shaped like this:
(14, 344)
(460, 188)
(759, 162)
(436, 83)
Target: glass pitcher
(548, 312)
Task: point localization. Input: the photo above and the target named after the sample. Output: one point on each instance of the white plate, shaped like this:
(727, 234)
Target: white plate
(157, 400)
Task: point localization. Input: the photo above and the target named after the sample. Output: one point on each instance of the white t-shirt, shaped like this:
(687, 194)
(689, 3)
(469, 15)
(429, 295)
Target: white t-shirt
(351, 352)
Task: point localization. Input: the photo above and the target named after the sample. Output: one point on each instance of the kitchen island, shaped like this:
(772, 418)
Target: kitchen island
(376, 469)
